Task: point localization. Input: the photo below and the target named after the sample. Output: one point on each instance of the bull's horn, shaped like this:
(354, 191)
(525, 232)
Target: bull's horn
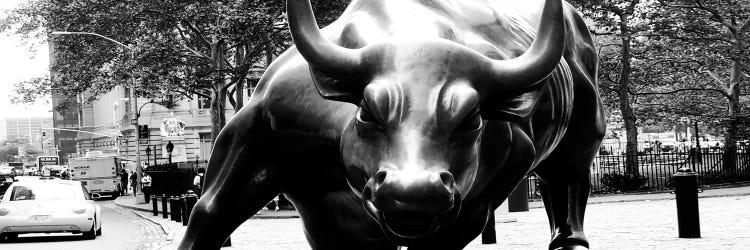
(323, 55)
(540, 59)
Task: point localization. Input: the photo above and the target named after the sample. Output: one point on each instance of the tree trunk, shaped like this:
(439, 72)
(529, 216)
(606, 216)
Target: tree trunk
(218, 91)
(239, 59)
(734, 111)
(628, 116)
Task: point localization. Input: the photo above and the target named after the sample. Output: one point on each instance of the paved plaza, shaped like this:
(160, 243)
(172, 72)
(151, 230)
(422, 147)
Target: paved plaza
(628, 222)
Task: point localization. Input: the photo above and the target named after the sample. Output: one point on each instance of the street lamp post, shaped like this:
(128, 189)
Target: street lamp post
(134, 117)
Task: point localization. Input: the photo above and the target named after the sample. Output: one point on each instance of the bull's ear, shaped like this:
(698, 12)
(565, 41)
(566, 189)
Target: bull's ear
(514, 108)
(337, 89)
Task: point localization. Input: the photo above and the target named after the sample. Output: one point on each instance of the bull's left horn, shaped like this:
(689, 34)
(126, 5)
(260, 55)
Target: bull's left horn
(540, 59)
(323, 55)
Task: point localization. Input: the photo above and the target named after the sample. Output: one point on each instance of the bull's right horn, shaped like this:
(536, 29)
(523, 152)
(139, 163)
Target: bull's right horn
(520, 73)
(322, 55)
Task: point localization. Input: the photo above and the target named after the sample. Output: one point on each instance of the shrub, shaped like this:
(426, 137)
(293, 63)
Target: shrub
(623, 182)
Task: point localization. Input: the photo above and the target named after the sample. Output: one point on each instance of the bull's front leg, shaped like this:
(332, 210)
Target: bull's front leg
(239, 181)
(565, 188)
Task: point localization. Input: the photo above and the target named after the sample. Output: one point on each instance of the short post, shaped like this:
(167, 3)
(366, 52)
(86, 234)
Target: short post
(518, 201)
(190, 200)
(488, 234)
(183, 210)
(164, 213)
(174, 208)
(686, 195)
(228, 242)
(155, 209)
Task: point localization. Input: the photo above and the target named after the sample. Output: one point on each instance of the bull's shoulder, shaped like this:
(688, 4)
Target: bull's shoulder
(291, 104)
(580, 51)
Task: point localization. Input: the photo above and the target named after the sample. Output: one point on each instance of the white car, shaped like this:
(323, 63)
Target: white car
(48, 206)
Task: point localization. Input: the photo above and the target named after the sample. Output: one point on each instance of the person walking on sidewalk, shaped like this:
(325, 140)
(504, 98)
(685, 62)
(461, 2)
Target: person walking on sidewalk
(123, 182)
(198, 181)
(134, 182)
(146, 182)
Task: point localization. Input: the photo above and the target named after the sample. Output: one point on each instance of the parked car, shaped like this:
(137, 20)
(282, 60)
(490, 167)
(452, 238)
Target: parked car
(48, 206)
(5, 181)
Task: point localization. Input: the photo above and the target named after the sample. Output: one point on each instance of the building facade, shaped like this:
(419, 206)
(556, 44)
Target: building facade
(27, 130)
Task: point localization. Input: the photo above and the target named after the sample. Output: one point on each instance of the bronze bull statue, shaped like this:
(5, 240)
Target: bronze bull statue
(406, 123)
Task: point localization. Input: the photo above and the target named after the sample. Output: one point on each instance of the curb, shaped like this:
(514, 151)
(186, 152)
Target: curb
(260, 216)
(166, 229)
(539, 204)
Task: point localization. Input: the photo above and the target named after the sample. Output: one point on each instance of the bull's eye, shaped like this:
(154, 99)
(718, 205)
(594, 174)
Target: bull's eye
(364, 115)
(472, 122)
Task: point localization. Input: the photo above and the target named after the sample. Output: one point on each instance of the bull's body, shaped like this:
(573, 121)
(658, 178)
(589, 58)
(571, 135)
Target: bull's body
(288, 139)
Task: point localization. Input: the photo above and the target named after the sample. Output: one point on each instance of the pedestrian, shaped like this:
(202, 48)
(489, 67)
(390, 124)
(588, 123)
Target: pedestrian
(65, 175)
(146, 182)
(198, 182)
(123, 182)
(134, 182)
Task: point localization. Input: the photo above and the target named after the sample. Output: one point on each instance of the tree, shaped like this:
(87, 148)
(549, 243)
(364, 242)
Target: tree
(182, 48)
(719, 31)
(618, 24)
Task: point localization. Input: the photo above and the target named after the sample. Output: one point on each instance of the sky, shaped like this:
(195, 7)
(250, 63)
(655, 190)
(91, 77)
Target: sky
(17, 64)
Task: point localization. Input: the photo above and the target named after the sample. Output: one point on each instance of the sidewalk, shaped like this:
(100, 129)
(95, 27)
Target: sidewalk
(129, 202)
(629, 221)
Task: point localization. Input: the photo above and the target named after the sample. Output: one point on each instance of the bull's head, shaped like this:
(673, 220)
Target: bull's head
(412, 149)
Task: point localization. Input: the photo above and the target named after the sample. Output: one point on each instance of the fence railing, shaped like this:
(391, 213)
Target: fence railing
(653, 171)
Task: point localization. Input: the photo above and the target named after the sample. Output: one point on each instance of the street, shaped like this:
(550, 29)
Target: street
(643, 224)
(121, 229)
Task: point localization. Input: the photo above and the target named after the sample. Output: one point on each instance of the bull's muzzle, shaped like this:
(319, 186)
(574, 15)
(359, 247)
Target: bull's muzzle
(411, 204)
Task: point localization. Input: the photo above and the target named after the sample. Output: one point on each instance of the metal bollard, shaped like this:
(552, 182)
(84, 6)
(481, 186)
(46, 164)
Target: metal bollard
(183, 210)
(164, 213)
(174, 208)
(686, 194)
(190, 199)
(155, 209)
(518, 201)
(228, 242)
(488, 234)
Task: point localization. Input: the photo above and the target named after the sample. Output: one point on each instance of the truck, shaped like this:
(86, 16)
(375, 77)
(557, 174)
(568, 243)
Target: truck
(17, 167)
(44, 162)
(98, 175)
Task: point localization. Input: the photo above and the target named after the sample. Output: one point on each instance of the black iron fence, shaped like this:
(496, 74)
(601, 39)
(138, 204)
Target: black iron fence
(174, 178)
(652, 171)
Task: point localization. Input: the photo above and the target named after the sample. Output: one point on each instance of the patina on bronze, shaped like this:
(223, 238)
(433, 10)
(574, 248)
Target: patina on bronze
(406, 122)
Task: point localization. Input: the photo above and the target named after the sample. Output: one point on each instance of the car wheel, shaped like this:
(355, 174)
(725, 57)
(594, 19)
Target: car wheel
(9, 236)
(99, 231)
(91, 234)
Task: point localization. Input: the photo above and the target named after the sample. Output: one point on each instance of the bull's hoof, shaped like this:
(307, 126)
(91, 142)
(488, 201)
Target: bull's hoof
(569, 242)
(576, 247)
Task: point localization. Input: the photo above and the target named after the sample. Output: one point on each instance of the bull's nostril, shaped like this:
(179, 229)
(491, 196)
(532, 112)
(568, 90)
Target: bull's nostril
(367, 193)
(447, 179)
(380, 177)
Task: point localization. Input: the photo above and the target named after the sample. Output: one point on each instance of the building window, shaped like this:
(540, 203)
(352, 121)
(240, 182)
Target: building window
(203, 101)
(205, 146)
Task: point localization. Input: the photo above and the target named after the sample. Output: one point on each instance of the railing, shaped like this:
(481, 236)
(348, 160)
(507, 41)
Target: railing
(653, 171)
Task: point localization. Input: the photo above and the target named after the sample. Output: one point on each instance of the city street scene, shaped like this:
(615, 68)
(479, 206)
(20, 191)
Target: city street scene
(374, 124)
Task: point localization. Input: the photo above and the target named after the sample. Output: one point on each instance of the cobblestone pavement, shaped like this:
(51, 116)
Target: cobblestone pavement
(725, 224)
(151, 234)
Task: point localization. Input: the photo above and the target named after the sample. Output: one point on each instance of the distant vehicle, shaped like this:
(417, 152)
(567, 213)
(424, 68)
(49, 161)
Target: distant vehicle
(6, 170)
(17, 167)
(53, 170)
(43, 161)
(48, 206)
(5, 181)
(98, 175)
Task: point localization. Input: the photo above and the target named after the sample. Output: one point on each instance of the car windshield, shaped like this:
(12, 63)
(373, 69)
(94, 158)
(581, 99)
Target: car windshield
(46, 191)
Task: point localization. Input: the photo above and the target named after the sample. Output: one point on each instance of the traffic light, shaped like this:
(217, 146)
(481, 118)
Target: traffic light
(143, 131)
(44, 134)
